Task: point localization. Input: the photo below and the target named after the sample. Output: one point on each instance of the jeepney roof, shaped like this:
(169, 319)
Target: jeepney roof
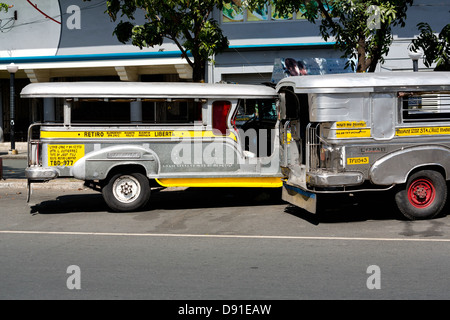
(367, 82)
(149, 90)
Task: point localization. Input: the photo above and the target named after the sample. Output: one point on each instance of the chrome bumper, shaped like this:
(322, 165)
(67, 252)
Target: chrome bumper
(36, 173)
(330, 179)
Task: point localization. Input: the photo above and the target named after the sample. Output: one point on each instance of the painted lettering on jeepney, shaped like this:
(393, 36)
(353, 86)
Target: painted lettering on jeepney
(154, 134)
(352, 129)
(64, 155)
(353, 133)
(361, 160)
(93, 134)
(110, 134)
(158, 134)
(403, 132)
(350, 124)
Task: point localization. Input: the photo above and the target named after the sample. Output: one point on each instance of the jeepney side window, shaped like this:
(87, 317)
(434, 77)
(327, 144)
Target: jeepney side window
(182, 111)
(177, 111)
(255, 110)
(424, 106)
(246, 111)
(293, 105)
(100, 111)
(268, 110)
(220, 109)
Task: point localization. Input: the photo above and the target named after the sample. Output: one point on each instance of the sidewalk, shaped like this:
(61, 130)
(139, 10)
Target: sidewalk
(13, 171)
(21, 147)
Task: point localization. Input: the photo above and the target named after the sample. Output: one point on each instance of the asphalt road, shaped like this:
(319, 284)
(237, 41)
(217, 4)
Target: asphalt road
(14, 168)
(217, 244)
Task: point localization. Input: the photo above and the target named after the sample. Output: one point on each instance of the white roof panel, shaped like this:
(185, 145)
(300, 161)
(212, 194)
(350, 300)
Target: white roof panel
(366, 82)
(144, 90)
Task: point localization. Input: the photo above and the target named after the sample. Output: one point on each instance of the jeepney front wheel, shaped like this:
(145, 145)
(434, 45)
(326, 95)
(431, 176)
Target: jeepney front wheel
(126, 191)
(424, 196)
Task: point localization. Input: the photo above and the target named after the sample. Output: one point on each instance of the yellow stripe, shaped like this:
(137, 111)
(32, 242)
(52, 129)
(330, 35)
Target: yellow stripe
(261, 182)
(145, 134)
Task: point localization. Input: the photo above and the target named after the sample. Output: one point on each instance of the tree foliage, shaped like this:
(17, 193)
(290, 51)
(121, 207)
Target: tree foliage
(187, 23)
(4, 7)
(362, 29)
(436, 48)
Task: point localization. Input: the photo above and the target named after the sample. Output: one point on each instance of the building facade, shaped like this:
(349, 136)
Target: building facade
(72, 40)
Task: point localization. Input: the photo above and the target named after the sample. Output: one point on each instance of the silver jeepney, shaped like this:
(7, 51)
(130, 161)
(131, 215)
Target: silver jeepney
(198, 135)
(359, 132)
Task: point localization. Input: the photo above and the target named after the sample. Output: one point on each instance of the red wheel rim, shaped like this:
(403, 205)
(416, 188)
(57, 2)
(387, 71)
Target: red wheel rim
(421, 193)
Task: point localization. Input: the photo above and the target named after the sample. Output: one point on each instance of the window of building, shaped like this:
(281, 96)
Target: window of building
(233, 11)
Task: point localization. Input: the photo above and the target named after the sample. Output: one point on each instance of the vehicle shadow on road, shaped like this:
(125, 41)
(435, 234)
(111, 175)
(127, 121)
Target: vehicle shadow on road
(191, 198)
(334, 208)
(70, 204)
(338, 208)
(200, 198)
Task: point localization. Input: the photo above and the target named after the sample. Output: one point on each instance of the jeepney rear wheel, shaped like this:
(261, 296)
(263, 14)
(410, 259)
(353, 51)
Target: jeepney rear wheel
(424, 196)
(126, 191)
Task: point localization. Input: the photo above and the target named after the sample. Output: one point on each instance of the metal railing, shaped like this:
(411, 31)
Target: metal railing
(312, 146)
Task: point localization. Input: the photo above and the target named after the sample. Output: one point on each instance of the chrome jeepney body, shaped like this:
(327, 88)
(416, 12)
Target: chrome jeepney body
(354, 132)
(207, 149)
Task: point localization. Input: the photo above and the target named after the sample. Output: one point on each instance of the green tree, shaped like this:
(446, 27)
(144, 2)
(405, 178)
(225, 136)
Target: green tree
(362, 29)
(4, 7)
(187, 23)
(436, 48)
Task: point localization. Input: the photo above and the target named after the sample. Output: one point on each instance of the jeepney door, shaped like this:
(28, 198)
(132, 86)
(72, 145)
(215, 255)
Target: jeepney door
(294, 119)
(290, 132)
(383, 115)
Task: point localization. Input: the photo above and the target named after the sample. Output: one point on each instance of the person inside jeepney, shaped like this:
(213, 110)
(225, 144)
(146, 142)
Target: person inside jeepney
(294, 68)
(302, 68)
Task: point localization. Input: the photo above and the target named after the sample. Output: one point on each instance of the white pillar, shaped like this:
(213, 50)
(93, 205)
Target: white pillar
(67, 113)
(49, 110)
(136, 111)
(1, 118)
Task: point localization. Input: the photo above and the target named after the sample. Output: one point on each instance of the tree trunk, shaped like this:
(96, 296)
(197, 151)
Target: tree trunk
(376, 49)
(373, 66)
(199, 70)
(361, 49)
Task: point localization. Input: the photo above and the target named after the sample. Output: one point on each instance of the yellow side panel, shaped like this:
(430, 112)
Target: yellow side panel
(271, 182)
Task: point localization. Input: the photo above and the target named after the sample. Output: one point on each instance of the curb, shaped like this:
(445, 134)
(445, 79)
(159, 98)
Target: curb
(13, 156)
(61, 184)
(21, 147)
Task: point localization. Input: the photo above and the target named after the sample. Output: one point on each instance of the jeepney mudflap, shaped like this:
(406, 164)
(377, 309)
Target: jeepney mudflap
(299, 197)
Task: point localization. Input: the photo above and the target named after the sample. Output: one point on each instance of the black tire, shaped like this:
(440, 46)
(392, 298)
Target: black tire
(126, 192)
(424, 197)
